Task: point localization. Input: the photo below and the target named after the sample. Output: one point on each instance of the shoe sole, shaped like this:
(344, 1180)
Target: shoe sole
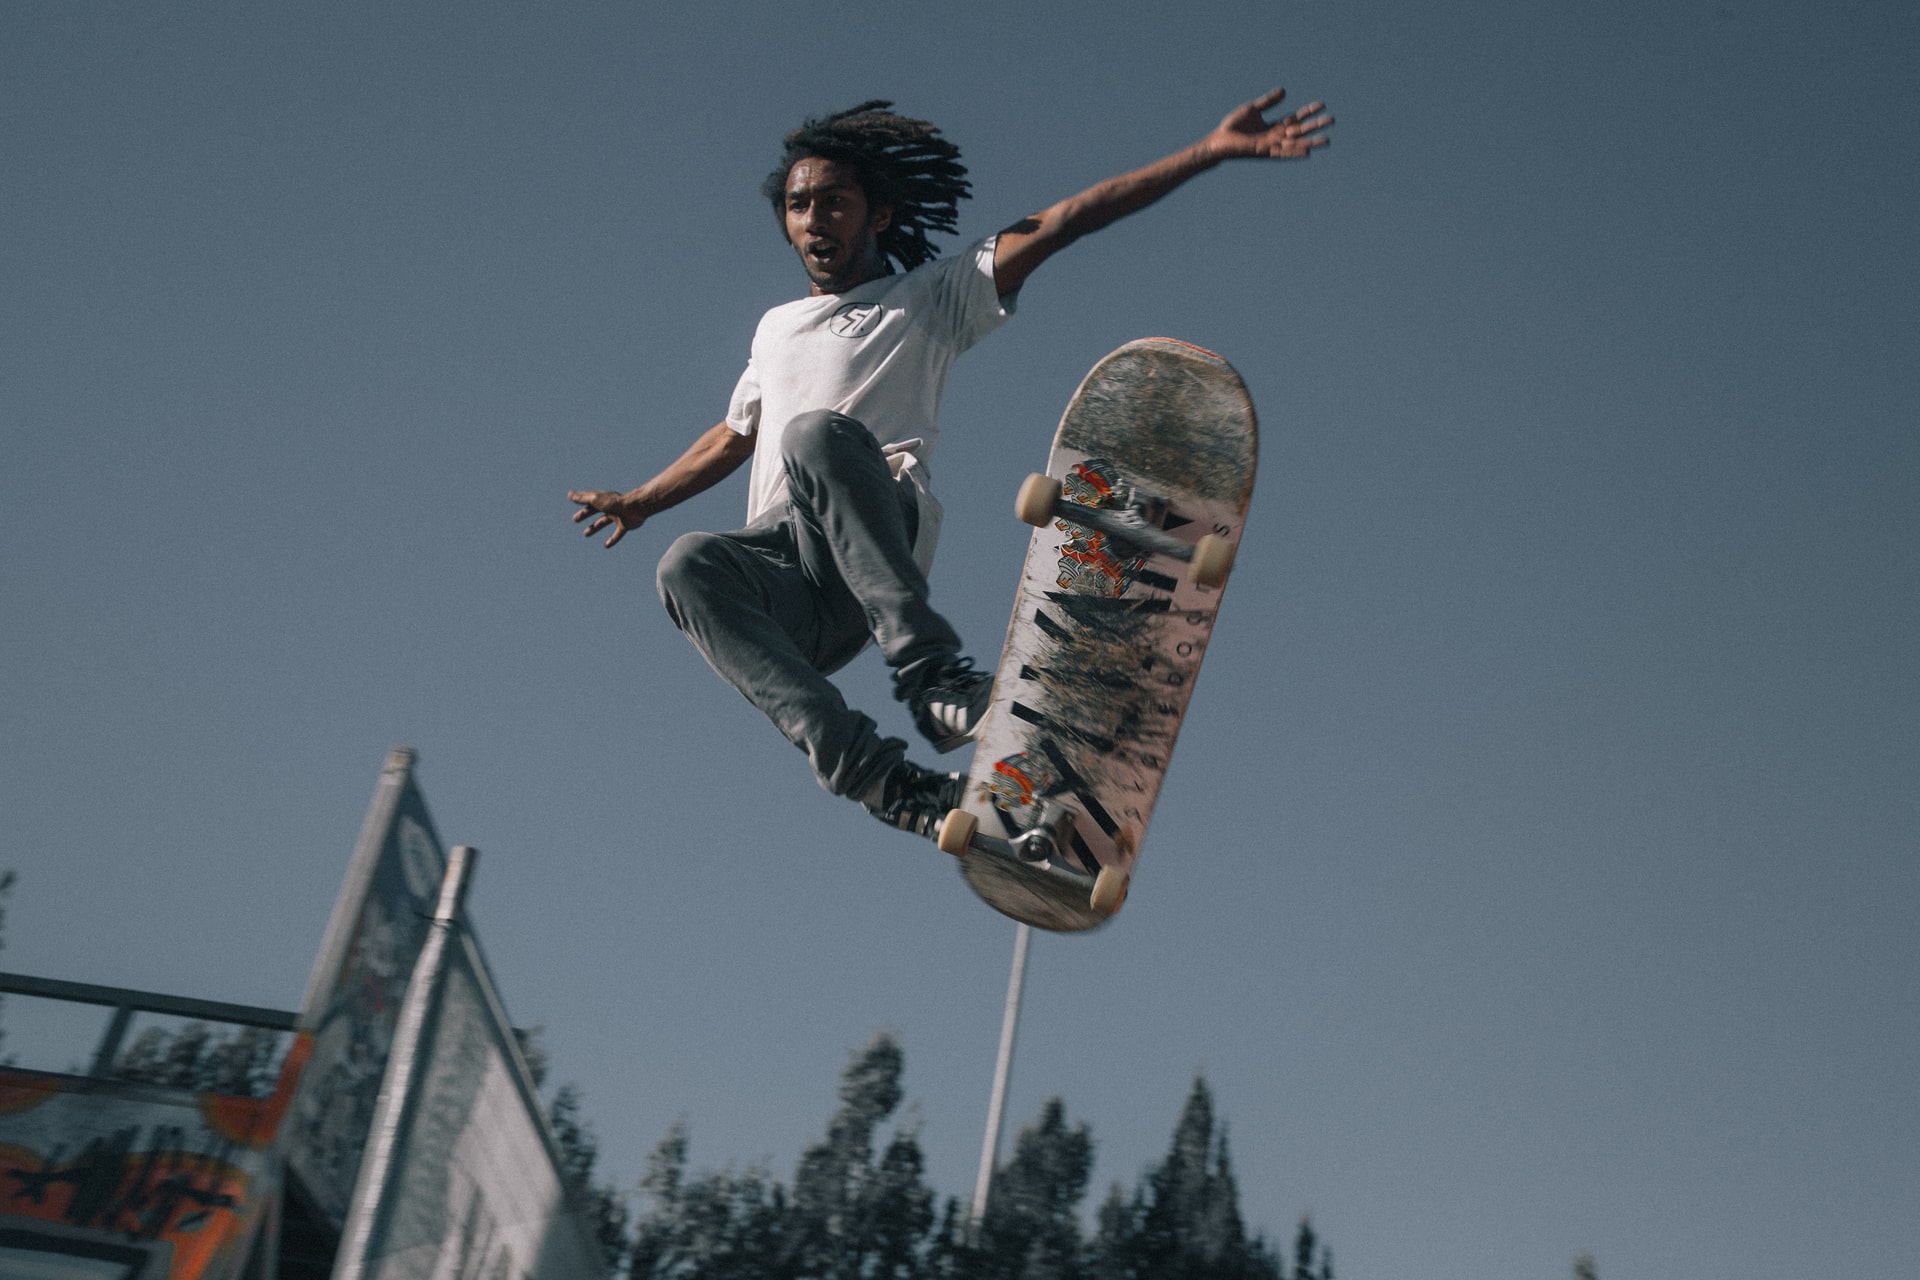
(954, 743)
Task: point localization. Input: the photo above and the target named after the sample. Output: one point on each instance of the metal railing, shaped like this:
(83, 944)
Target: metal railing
(125, 1003)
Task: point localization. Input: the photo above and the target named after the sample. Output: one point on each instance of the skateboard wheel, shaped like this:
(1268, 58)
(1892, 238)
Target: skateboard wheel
(1212, 560)
(1109, 890)
(956, 832)
(1038, 496)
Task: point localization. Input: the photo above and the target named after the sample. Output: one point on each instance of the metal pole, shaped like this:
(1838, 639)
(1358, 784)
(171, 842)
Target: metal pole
(1002, 1068)
(400, 1089)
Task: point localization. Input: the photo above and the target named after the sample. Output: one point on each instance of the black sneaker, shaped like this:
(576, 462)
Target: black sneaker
(948, 707)
(914, 799)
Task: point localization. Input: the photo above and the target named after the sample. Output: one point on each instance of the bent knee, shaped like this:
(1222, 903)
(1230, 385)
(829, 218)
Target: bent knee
(815, 438)
(691, 565)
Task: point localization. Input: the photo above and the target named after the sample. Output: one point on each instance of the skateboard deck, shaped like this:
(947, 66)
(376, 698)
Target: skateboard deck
(1137, 519)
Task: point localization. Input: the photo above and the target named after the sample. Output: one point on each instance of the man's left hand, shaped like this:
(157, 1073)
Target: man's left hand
(1246, 133)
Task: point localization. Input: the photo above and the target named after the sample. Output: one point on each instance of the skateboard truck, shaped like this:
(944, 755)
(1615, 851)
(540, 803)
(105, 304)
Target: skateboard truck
(1134, 521)
(1046, 838)
(1037, 847)
(1039, 844)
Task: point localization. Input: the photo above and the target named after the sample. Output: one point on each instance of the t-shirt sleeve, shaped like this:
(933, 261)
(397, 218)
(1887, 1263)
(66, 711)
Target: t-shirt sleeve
(974, 305)
(743, 411)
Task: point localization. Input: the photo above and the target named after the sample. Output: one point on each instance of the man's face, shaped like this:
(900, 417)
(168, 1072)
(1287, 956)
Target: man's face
(831, 227)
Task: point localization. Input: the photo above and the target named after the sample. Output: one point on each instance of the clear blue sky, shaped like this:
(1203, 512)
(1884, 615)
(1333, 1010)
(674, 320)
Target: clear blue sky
(1537, 873)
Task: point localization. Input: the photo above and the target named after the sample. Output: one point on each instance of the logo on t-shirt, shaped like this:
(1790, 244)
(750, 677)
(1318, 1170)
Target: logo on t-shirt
(856, 319)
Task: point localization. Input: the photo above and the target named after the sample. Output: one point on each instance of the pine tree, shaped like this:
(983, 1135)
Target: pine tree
(1183, 1221)
(853, 1219)
(712, 1227)
(1116, 1237)
(1031, 1227)
(896, 1212)
(605, 1208)
(1191, 1220)
(850, 1216)
(1305, 1265)
(855, 1215)
(656, 1234)
(950, 1253)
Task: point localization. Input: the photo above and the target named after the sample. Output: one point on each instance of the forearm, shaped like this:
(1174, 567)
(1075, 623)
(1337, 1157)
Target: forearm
(1108, 202)
(1032, 240)
(716, 455)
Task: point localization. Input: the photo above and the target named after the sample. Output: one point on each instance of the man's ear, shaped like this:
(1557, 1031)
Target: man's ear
(881, 219)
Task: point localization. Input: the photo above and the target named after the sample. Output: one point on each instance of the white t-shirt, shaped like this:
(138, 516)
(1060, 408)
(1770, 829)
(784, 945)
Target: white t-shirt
(879, 353)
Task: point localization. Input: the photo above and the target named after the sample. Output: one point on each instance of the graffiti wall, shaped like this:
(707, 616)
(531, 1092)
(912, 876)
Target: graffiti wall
(106, 1179)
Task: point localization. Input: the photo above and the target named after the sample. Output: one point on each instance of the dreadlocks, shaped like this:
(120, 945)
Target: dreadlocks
(901, 163)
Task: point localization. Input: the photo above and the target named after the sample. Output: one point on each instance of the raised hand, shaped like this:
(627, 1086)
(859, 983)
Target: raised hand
(605, 507)
(1246, 133)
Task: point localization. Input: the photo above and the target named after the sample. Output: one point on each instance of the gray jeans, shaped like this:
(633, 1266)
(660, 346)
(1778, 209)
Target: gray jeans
(777, 606)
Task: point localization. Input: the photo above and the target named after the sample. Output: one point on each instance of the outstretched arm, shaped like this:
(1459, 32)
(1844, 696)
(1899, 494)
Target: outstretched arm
(716, 455)
(1245, 133)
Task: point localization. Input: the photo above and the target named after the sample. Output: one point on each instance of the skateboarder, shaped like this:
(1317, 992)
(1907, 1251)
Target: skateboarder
(838, 409)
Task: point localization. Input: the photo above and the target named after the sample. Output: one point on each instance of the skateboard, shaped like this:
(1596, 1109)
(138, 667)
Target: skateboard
(1137, 520)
